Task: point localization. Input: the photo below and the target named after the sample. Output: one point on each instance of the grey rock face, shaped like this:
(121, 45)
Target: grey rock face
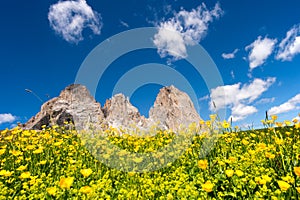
(74, 104)
(171, 109)
(118, 111)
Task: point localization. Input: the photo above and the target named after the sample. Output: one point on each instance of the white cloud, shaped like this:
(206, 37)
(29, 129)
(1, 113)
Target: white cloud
(260, 50)
(232, 74)
(204, 98)
(291, 105)
(265, 100)
(237, 97)
(124, 24)
(290, 45)
(241, 111)
(230, 55)
(184, 29)
(69, 18)
(7, 118)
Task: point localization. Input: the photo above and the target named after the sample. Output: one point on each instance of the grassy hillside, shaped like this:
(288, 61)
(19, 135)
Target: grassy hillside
(56, 163)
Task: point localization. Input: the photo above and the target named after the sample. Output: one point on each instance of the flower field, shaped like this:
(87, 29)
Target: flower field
(55, 164)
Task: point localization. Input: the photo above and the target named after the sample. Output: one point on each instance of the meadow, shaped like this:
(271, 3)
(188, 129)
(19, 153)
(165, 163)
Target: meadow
(55, 163)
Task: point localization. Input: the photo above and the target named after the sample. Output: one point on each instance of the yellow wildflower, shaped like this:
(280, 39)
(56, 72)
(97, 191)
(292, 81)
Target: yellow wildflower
(269, 155)
(266, 178)
(298, 189)
(86, 172)
(287, 122)
(297, 171)
(245, 142)
(30, 147)
(208, 186)
(225, 124)
(284, 186)
(279, 141)
(25, 175)
(239, 173)
(213, 117)
(16, 152)
(37, 151)
(2, 151)
(229, 172)
(51, 190)
(22, 168)
(274, 117)
(5, 173)
(66, 183)
(42, 162)
(85, 189)
(202, 164)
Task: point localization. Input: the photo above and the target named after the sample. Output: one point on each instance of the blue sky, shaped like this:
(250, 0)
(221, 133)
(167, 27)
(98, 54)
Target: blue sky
(254, 44)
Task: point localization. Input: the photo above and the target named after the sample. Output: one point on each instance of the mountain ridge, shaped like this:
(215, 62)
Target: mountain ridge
(75, 104)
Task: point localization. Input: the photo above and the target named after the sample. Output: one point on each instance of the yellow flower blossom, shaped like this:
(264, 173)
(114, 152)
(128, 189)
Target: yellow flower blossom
(208, 186)
(297, 171)
(6, 173)
(229, 172)
(85, 189)
(202, 164)
(86, 172)
(274, 117)
(239, 173)
(25, 175)
(22, 168)
(284, 186)
(38, 151)
(66, 183)
(225, 124)
(16, 152)
(52, 191)
(269, 155)
(287, 122)
(30, 147)
(2, 151)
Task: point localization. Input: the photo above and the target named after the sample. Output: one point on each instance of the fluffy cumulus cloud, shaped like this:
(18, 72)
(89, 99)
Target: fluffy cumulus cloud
(260, 50)
(238, 97)
(69, 18)
(290, 105)
(7, 118)
(184, 29)
(230, 55)
(290, 45)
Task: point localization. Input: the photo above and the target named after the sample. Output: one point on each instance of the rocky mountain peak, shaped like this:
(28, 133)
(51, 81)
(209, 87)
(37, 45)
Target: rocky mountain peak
(171, 108)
